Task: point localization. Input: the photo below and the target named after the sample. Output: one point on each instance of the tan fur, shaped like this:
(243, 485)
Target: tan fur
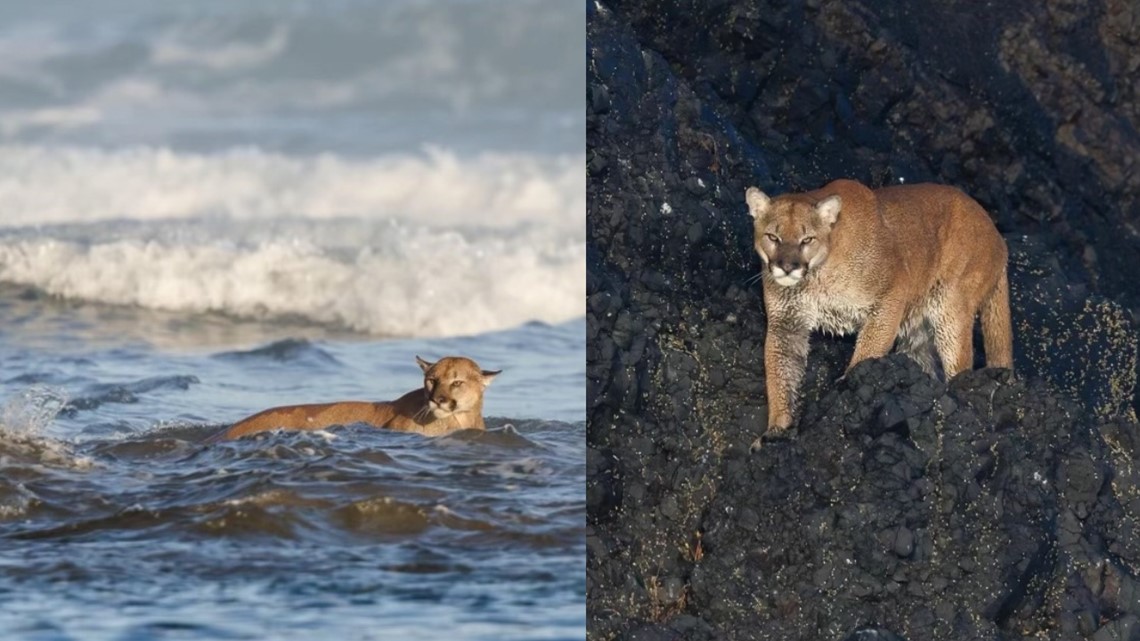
(914, 263)
(451, 399)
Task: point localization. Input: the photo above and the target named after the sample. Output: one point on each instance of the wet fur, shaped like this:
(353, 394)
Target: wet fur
(457, 406)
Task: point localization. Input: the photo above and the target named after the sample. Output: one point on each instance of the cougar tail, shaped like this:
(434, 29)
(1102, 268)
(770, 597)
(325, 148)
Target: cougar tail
(997, 329)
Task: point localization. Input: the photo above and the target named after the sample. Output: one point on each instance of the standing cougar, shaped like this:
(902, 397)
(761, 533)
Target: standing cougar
(914, 263)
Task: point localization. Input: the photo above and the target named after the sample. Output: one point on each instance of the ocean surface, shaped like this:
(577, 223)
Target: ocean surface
(211, 208)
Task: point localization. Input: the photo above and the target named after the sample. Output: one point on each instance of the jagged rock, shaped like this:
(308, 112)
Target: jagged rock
(988, 507)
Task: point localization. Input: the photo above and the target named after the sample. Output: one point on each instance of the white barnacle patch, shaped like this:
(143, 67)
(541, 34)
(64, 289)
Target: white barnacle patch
(666, 209)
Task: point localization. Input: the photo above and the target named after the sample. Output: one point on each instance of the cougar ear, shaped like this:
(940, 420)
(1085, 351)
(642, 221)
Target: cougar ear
(828, 209)
(758, 202)
(489, 376)
(424, 365)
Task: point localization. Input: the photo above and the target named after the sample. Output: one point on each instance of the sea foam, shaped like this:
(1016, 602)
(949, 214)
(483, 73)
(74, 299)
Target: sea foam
(427, 245)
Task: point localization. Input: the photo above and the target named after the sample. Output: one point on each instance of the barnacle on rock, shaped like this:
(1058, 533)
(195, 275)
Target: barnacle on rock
(986, 507)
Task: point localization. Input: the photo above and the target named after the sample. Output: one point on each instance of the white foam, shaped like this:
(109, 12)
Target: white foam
(436, 284)
(432, 245)
(30, 412)
(41, 185)
(24, 420)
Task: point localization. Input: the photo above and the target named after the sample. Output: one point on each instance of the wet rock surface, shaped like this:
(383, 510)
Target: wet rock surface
(904, 507)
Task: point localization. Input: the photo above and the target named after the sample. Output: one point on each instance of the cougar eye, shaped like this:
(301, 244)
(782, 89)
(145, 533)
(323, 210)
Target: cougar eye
(773, 237)
(433, 382)
(807, 241)
(455, 384)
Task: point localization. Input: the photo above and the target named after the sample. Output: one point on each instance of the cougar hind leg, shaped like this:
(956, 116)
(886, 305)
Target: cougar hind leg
(954, 336)
(916, 340)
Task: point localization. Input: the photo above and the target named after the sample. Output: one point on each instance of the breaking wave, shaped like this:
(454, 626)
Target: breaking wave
(409, 245)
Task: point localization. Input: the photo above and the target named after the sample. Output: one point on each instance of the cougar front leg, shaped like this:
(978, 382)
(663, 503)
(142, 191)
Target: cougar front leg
(878, 333)
(785, 359)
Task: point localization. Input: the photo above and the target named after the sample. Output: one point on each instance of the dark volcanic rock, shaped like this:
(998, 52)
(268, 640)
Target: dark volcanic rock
(905, 508)
(971, 519)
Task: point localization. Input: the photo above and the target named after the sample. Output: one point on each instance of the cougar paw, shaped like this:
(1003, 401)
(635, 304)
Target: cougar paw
(771, 436)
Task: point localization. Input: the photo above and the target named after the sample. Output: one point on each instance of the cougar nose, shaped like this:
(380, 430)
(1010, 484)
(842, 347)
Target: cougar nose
(791, 266)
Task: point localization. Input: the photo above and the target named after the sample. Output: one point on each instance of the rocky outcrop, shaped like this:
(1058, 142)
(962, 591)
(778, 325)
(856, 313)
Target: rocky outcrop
(986, 508)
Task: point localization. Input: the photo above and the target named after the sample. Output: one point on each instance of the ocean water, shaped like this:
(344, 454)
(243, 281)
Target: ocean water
(211, 208)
